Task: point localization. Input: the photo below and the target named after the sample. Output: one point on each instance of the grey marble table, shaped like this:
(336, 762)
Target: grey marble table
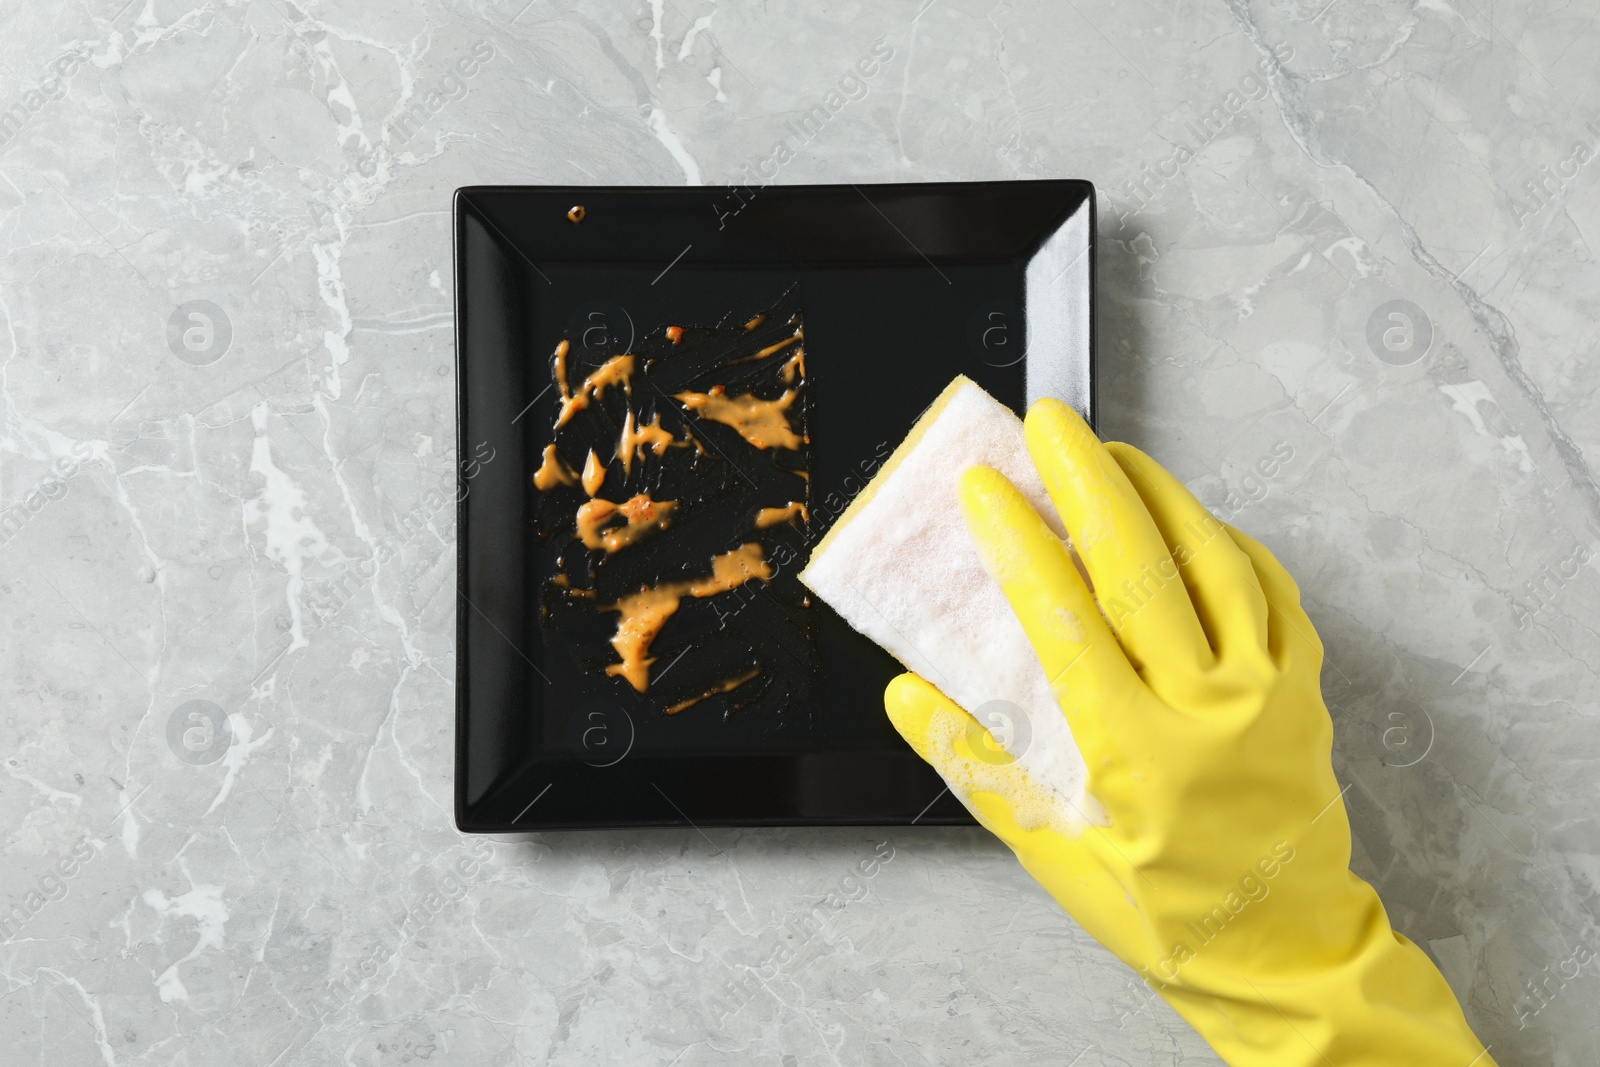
(1348, 287)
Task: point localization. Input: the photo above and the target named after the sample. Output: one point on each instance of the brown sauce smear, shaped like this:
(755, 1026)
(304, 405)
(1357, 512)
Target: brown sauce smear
(798, 335)
(637, 436)
(553, 471)
(676, 359)
(614, 371)
(561, 581)
(772, 516)
(642, 514)
(726, 686)
(561, 368)
(796, 365)
(777, 346)
(644, 613)
(761, 422)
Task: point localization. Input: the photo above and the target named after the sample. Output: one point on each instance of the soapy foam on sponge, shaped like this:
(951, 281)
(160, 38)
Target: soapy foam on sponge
(900, 566)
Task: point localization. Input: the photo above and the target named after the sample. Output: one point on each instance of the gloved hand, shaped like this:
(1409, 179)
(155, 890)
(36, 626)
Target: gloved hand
(1190, 679)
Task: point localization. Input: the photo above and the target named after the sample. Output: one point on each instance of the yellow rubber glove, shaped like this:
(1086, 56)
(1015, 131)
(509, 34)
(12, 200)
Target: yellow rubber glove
(1190, 679)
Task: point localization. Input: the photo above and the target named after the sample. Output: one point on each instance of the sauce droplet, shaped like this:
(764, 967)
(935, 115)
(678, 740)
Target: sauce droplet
(674, 334)
(594, 474)
(576, 213)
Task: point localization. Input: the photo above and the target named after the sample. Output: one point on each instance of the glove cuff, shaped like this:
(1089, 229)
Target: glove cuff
(1381, 1004)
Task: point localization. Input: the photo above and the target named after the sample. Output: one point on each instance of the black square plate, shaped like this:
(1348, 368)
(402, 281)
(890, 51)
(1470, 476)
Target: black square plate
(900, 287)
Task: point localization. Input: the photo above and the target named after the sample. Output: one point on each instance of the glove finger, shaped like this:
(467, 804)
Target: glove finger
(1135, 578)
(1220, 577)
(1082, 660)
(1289, 622)
(980, 774)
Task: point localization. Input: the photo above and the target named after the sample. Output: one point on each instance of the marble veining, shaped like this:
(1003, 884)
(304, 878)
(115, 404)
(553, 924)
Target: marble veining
(1347, 289)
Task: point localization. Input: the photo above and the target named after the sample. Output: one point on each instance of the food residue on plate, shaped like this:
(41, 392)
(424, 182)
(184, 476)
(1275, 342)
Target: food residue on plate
(553, 471)
(594, 474)
(642, 514)
(644, 613)
(795, 366)
(635, 438)
(710, 433)
(614, 371)
(576, 213)
(772, 516)
(776, 346)
(727, 685)
(761, 422)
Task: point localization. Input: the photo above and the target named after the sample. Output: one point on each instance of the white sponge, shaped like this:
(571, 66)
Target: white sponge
(901, 567)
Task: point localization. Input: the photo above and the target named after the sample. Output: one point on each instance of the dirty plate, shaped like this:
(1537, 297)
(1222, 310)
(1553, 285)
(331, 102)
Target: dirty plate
(728, 355)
